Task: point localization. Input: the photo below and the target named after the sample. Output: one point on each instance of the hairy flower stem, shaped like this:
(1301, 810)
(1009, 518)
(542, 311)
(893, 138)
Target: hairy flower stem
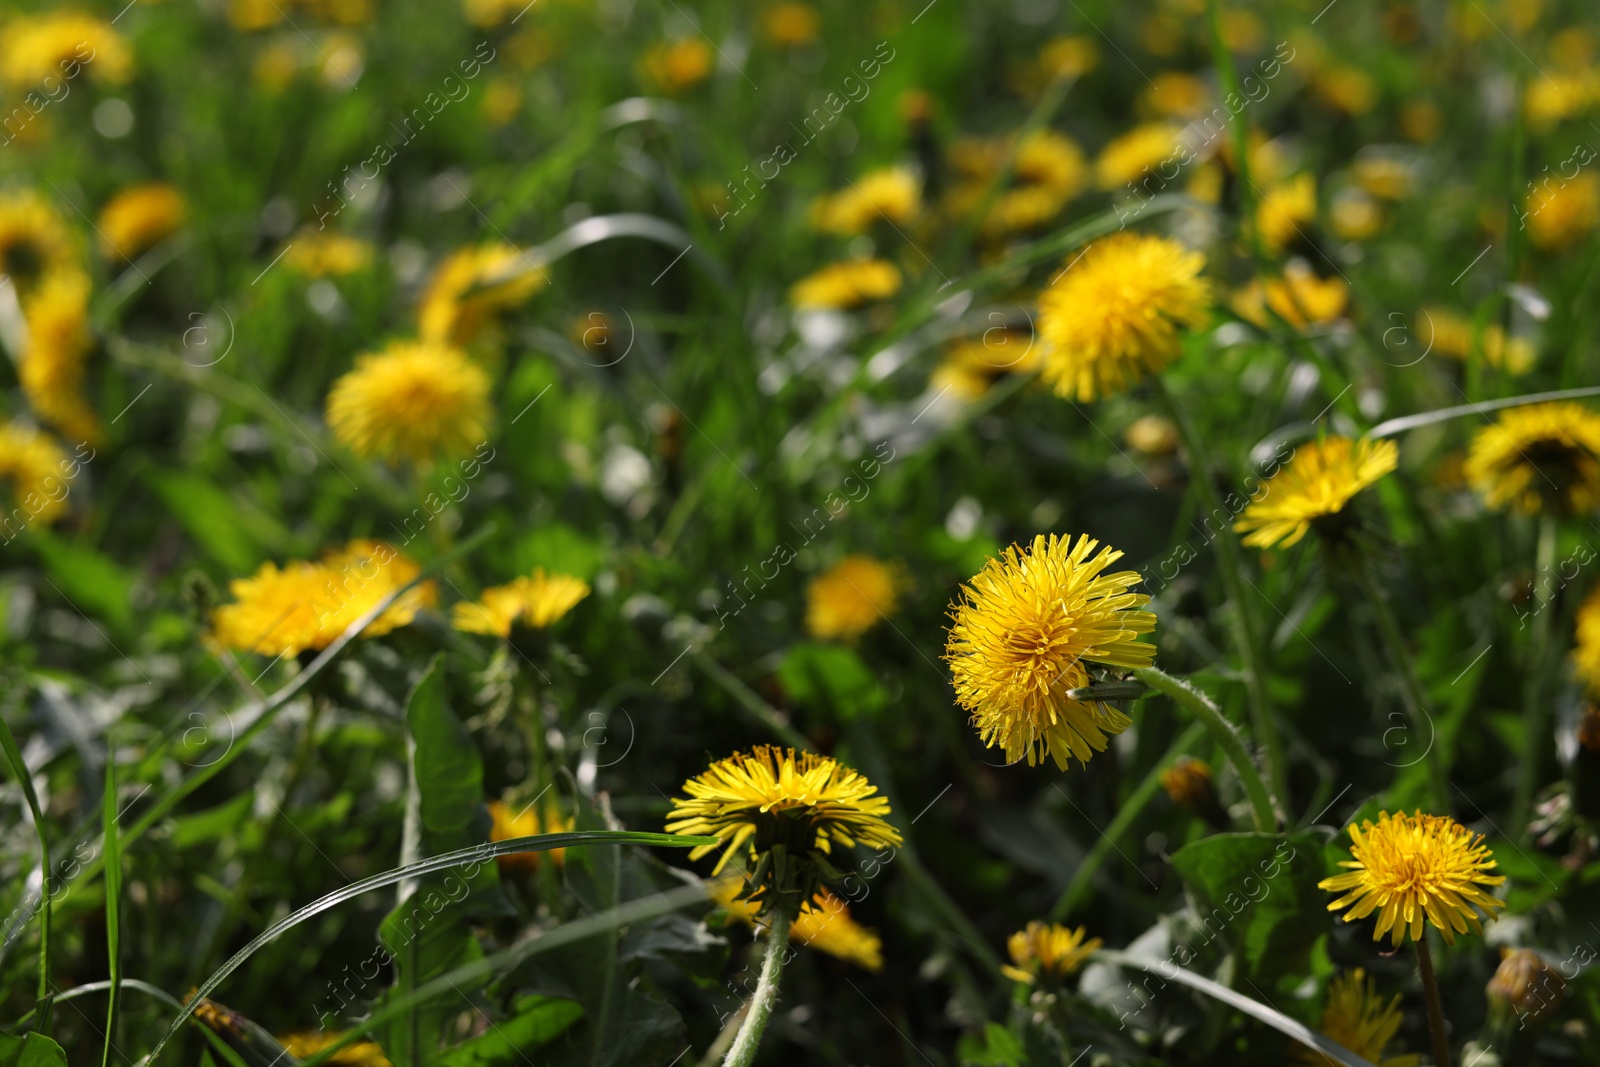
(1262, 808)
(1536, 704)
(1231, 563)
(743, 1052)
(1411, 689)
(1430, 993)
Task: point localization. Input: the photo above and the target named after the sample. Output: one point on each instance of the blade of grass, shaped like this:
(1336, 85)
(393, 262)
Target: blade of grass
(112, 853)
(459, 858)
(1428, 418)
(20, 769)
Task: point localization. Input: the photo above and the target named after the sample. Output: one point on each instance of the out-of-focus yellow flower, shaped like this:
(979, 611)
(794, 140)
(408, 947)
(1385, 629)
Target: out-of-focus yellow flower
(1421, 120)
(307, 605)
(34, 243)
(326, 254)
(1152, 435)
(893, 194)
(1385, 176)
(59, 342)
(529, 47)
(1161, 33)
(1539, 458)
(343, 58)
(1557, 216)
(824, 923)
(508, 825)
(1525, 985)
(538, 600)
(1354, 215)
(1188, 782)
(1360, 1020)
(1586, 653)
(1205, 182)
(1049, 171)
(788, 25)
(356, 1054)
(1023, 633)
(247, 16)
(846, 284)
(1115, 313)
(34, 469)
(1287, 209)
(972, 365)
(1062, 57)
(1298, 296)
(502, 99)
(1414, 870)
(414, 400)
(1558, 97)
(1141, 149)
(276, 66)
(1451, 335)
(1313, 489)
(487, 14)
(1347, 89)
(57, 45)
(1047, 951)
(850, 598)
(472, 287)
(139, 217)
(677, 66)
(1175, 94)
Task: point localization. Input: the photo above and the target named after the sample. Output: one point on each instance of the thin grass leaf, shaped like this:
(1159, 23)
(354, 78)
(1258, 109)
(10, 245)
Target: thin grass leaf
(459, 858)
(1482, 407)
(1253, 1008)
(19, 768)
(112, 851)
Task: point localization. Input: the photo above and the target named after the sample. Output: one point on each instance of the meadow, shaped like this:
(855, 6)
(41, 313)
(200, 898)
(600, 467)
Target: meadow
(635, 534)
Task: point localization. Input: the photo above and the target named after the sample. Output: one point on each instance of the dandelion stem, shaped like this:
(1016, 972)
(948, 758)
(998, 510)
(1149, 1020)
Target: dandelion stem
(1430, 991)
(1411, 690)
(1238, 128)
(1231, 564)
(1262, 808)
(1536, 709)
(743, 1052)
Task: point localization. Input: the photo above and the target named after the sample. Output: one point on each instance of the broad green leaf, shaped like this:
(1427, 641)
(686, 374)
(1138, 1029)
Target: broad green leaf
(834, 677)
(235, 537)
(91, 583)
(30, 1050)
(535, 1022)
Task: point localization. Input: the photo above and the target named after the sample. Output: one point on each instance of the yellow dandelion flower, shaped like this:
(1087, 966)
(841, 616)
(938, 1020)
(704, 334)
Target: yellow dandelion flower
(138, 217)
(502, 99)
(472, 287)
(1357, 1018)
(1113, 316)
(846, 284)
(1050, 952)
(1286, 210)
(1188, 782)
(1354, 215)
(325, 254)
(1385, 176)
(795, 806)
(276, 66)
(487, 14)
(415, 400)
(356, 1054)
(1411, 868)
(34, 469)
(1542, 457)
(34, 243)
(59, 343)
(1554, 99)
(1176, 95)
(1152, 435)
(972, 365)
(1025, 630)
(1299, 297)
(677, 66)
(789, 25)
(1242, 31)
(1525, 985)
(1586, 648)
(538, 600)
(1443, 332)
(508, 824)
(1048, 172)
(1141, 149)
(849, 598)
(893, 194)
(1321, 478)
(1421, 120)
(824, 923)
(59, 45)
(1069, 57)
(1347, 89)
(247, 16)
(306, 605)
(1557, 216)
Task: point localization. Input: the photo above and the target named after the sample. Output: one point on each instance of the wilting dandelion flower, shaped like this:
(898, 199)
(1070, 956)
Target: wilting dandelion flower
(893, 194)
(59, 342)
(1411, 868)
(139, 217)
(32, 467)
(415, 400)
(34, 243)
(326, 254)
(472, 287)
(1189, 784)
(1114, 315)
(538, 600)
(507, 825)
(1525, 985)
(1025, 631)
(1048, 952)
(824, 923)
(789, 809)
(1356, 1017)
(57, 45)
(677, 66)
(849, 598)
(1313, 489)
(1538, 458)
(305, 605)
(846, 284)
(1142, 149)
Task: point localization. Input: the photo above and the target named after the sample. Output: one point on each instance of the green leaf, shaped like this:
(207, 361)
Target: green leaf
(559, 549)
(998, 1047)
(536, 1021)
(30, 1050)
(237, 538)
(1258, 892)
(19, 768)
(112, 850)
(832, 676)
(91, 583)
